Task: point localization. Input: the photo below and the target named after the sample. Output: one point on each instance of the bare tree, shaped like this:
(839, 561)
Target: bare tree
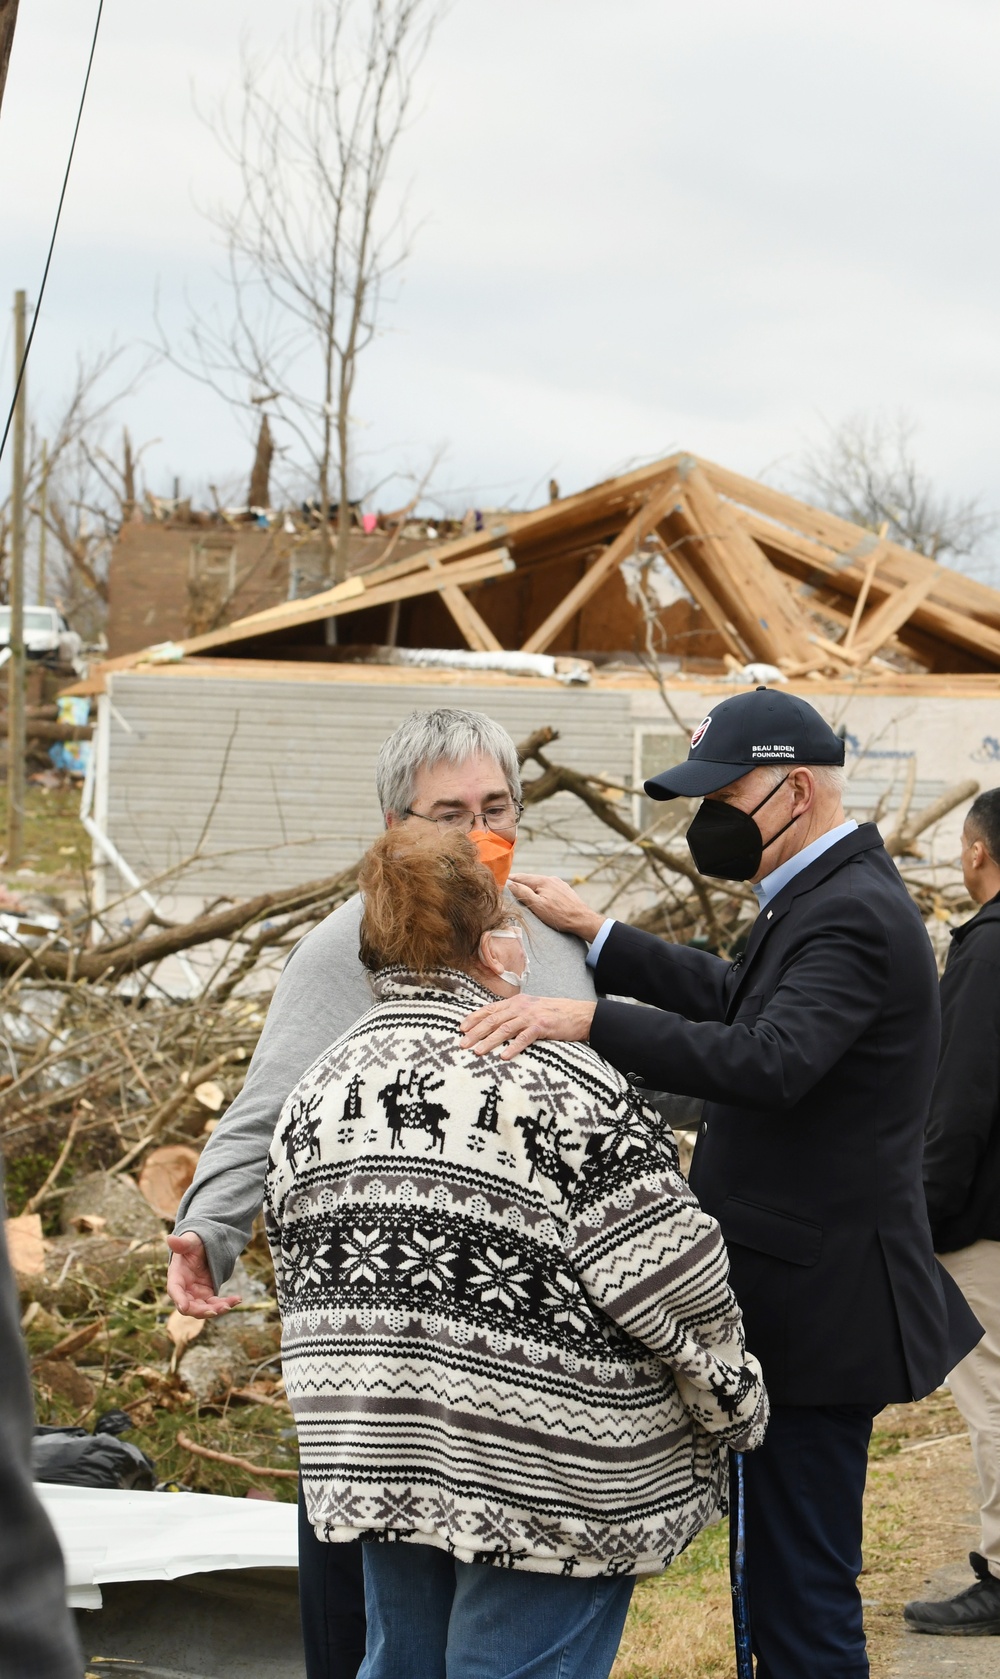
(312, 241)
(89, 472)
(865, 470)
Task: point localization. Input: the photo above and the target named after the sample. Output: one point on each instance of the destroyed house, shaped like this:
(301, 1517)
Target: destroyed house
(615, 616)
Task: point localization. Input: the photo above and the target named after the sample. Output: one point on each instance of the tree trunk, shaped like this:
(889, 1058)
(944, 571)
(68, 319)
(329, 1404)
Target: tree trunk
(260, 477)
(128, 477)
(343, 554)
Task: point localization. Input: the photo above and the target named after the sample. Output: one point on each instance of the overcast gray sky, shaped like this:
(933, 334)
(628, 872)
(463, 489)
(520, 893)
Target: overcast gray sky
(641, 226)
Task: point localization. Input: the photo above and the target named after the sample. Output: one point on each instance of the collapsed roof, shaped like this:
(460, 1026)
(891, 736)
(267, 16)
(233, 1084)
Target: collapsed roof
(776, 581)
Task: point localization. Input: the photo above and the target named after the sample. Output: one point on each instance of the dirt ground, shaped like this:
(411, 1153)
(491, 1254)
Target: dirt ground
(918, 1516)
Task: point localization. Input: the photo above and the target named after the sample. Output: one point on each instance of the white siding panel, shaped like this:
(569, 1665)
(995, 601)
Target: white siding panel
(272, 782)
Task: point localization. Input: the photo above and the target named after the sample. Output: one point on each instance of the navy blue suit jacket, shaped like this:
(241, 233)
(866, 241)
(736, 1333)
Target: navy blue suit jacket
(816, 1051)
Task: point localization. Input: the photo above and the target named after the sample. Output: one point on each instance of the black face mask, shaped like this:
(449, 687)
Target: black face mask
(726, 843)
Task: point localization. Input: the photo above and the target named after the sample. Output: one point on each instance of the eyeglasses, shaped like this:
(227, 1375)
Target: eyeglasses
(500, 818)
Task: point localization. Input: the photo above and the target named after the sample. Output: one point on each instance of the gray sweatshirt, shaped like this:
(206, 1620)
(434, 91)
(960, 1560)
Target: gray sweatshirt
(323, 991)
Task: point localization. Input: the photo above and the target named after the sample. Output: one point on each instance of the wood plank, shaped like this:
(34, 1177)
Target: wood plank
(474, 628)
(816, 522)
(848, 570)
(674, 553)
(740, 575)
(890, 616)
(498, 563)
(457, 551)
(954, 589)
(286, 611)
(877, 554)
(242, 670)
(799, 555)
(655, 508)
(619, 496)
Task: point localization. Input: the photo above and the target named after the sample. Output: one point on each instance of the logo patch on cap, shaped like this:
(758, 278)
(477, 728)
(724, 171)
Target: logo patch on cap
(700, 732)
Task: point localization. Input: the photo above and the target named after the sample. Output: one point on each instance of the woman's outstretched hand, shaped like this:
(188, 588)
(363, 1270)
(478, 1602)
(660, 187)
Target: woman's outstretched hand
(519, 1021)
(556, 904)
(189, 1280)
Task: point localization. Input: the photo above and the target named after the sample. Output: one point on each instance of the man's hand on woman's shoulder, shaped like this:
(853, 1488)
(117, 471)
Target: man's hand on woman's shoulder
(519, 1021)
(556, 904)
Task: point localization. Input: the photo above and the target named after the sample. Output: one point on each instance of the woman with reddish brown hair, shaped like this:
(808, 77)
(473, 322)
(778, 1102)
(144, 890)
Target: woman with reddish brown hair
(508, 1336)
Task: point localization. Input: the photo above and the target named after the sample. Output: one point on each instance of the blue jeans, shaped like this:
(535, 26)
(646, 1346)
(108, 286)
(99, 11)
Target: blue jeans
(430, 1617)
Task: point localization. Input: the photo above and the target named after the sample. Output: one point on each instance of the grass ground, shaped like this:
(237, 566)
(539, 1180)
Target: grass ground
(916, 1518)
(126, 1366)
(55, 843)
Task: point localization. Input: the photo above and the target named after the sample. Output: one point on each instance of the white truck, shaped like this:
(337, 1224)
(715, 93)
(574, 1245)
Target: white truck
(46, 634)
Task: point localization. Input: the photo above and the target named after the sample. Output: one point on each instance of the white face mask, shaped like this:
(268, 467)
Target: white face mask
(506, 974)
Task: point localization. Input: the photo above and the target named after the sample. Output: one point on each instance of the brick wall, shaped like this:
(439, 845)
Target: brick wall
(171, 581)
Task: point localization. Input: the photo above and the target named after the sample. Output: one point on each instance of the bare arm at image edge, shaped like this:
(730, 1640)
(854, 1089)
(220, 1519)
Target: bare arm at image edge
(323, 991)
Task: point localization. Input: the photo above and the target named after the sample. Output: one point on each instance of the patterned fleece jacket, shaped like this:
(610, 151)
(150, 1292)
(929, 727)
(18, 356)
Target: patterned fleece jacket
(507, 1327)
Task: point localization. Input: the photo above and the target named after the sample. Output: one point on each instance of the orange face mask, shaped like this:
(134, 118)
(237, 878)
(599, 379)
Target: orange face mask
(495, 853)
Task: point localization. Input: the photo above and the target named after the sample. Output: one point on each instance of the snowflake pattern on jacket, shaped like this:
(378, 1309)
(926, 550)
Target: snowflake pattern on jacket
(507, 1327)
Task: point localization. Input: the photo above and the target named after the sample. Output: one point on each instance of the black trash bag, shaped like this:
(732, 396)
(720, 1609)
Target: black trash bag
(70, 1457)
(113, 1422)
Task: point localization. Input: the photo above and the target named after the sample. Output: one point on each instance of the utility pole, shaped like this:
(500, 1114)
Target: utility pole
(16, 665)
(42, 532)
(8, 22)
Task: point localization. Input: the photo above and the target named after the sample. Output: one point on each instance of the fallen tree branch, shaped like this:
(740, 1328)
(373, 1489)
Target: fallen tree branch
(558, 778)
(902, 837)
(173, 1105)
(33, 1205)
(39, 729)
(188, 1445)
(102, 961)
(530, 748)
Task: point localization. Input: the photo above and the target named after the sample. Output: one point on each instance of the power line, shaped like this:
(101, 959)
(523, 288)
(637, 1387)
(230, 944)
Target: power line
(55, 229)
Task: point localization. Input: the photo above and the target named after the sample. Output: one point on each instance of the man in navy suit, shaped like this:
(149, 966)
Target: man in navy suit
(815, 1051)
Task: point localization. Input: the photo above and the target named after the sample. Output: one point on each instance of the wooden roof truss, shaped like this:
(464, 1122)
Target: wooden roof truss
(779, 581)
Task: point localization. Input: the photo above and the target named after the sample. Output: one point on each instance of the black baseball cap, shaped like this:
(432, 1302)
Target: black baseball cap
(762, 727)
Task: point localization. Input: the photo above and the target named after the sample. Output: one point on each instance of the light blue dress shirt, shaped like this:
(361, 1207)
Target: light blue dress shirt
(763, 890)
(768, 888)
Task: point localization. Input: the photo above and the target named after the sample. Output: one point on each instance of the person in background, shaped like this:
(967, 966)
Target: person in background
(962, 1185)
(37, 1636)
(815, 1049)
(441, 771)
(508, 1337)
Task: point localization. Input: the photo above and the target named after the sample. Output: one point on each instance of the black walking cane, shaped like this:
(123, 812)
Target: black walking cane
(738, 1575)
